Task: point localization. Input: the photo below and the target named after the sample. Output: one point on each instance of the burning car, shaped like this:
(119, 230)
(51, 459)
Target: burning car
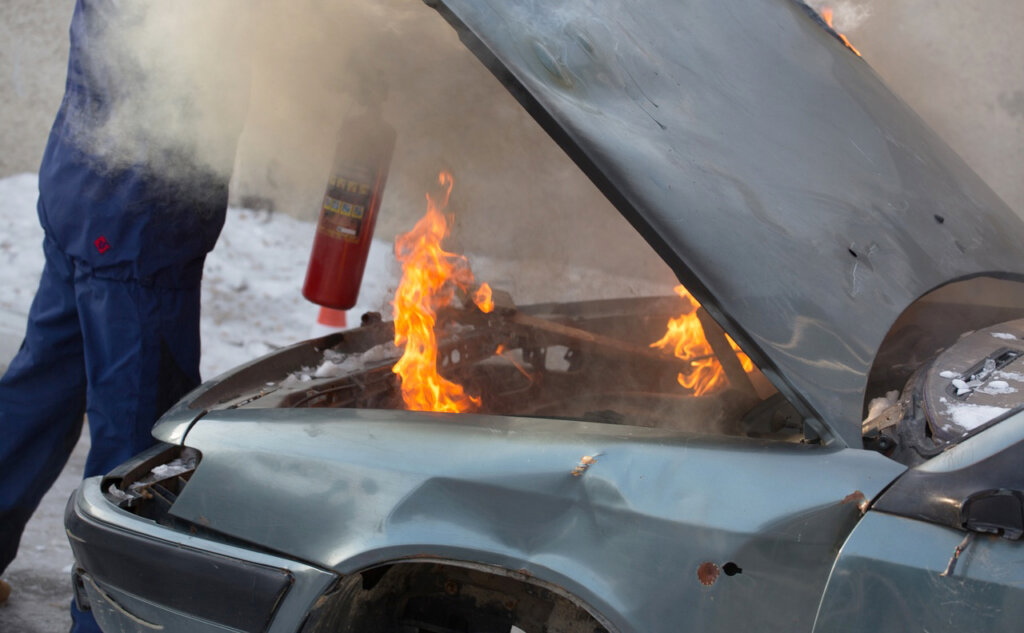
(821, 429)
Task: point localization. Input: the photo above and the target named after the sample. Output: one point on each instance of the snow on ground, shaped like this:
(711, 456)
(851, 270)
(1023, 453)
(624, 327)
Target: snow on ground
(252, 286)
(21, 259)
(252, 302)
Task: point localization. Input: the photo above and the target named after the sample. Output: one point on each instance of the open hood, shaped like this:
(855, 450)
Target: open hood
(803, 204)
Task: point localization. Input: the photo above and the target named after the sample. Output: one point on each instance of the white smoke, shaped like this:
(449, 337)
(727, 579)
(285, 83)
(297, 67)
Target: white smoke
(848, 15)
(197, 71)
(175, 77)
(185, 74)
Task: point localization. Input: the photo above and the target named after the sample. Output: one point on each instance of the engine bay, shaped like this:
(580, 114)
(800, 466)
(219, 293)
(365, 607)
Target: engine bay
(590, 361)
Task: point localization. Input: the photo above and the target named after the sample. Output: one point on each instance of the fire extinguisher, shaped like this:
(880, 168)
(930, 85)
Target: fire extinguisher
(349, 211)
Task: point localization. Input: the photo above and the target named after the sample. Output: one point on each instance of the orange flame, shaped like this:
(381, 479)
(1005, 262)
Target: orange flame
(482, 298)
(745, 362)
(827, 15)
(500, 351)
(685, 337)
(429, 278)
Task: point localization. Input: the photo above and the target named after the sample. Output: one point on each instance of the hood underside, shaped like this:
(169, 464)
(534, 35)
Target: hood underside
(803, 204)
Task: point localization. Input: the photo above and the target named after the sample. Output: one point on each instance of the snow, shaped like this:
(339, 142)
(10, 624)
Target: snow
(997, 388)
(1009, 375)
(1004, 335)
(21, 259)
(971, 416)
(978, 380)
(337, 364)
(252, 299)
(877, 406)
(949, 374)
(252, 286)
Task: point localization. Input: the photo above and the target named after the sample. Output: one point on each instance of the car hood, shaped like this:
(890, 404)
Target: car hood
(802, 202)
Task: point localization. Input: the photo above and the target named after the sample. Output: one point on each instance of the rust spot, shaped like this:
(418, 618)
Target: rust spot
(582, 466)
(203, 521)
(585, 462)
(525, 572)
(707, 573)
(451, 587)
(856, 497)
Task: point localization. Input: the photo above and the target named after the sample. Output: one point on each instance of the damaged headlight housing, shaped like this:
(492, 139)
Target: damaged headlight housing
(149, 484)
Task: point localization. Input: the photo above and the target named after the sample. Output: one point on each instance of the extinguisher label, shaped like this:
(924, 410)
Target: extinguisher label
(345, 205)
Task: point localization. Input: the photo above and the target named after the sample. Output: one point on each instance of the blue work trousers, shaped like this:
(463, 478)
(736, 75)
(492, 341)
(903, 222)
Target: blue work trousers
(98, 343)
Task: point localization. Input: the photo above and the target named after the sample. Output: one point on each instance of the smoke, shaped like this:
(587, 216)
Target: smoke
(185, 78)
(258, 89)
(182, 77)
(847, 14)
(173, 78)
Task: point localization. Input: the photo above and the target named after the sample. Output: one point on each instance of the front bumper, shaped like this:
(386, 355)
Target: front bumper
(137, 575)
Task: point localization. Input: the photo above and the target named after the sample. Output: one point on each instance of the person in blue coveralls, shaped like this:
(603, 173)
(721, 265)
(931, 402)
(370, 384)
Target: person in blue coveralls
(113, 331)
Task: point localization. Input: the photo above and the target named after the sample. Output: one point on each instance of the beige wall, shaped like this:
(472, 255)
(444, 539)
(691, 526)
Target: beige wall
(958, 64)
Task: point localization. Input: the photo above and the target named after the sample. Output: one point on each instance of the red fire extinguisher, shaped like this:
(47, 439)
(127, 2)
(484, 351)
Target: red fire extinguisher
(349, 211)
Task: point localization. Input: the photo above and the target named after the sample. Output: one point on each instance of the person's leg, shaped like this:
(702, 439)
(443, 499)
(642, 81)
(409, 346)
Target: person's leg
(42, 402)
(141, 356)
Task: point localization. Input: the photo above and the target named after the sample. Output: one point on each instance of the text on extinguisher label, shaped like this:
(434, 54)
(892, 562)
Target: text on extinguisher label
(345, 205)
(340, 219)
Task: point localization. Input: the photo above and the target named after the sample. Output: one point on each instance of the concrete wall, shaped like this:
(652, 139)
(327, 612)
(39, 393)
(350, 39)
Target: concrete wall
(958, 64)
(33, 55)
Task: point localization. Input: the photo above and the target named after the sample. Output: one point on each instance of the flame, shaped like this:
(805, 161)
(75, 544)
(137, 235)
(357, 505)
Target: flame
(429, 278)
(685, 337)
(500, 351)
(827, 15)
(745, 362)
(482, 298)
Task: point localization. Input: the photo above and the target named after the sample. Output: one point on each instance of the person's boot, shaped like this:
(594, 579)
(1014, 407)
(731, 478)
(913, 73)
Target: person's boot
(5, 591)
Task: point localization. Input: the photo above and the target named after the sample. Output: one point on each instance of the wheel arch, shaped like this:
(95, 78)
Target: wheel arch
(444, 594)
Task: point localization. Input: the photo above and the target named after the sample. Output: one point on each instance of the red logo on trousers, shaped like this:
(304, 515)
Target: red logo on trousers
(102, 245)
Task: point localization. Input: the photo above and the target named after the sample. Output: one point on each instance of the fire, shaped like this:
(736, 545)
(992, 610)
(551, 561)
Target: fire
(500, 351)
(430, 276)
(482, 298)
(827, 15)
(745, 362)
(685, 337)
